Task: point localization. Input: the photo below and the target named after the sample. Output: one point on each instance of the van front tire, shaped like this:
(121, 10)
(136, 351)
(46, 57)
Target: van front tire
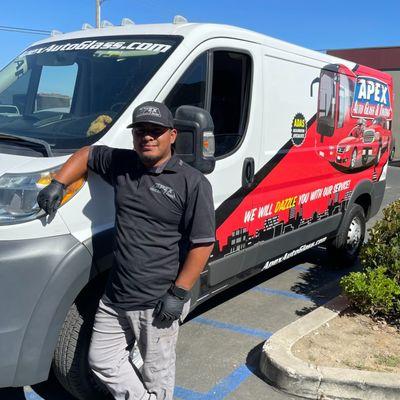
(70, 363)
(344, 248)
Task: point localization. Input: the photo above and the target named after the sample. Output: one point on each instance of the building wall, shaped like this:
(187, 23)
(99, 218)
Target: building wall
(396, 110)
(383, 58)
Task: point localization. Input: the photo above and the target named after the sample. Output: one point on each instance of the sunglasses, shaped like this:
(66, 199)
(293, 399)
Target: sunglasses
(143, 131)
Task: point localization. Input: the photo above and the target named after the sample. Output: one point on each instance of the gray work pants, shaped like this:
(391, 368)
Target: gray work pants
(114, 333)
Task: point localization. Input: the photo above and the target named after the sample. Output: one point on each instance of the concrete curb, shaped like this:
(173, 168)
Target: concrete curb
(297, 377)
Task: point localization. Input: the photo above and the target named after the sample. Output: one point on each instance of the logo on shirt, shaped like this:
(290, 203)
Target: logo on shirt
(148, 110)
(159, 188)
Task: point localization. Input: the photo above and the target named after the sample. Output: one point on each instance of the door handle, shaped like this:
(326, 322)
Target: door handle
(248, 172)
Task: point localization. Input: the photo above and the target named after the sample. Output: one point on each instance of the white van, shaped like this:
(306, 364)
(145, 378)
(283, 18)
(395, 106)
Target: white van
(301, 151)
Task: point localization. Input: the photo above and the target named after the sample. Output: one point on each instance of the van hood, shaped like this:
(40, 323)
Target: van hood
(18, 164)
(12, 163)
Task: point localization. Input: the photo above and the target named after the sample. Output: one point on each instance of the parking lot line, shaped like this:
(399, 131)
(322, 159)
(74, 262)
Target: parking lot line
(233, 328)
(284, 293)
(220, 390)
(31, 395)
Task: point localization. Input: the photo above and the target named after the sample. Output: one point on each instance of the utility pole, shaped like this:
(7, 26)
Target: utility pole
(98, 10)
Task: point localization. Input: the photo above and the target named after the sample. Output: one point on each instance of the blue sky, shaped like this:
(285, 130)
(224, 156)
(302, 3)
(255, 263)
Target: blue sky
(309, 23)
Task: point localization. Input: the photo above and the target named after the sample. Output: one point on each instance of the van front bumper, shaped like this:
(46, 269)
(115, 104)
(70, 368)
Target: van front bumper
(26, 268)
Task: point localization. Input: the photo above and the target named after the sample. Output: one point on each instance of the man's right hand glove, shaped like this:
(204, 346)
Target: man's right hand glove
(49, 198)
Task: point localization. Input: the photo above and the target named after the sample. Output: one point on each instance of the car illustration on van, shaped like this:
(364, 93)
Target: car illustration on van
(364, 144)
(271, 156)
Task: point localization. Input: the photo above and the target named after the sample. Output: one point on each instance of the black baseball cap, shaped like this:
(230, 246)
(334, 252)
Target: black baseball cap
(152, 112)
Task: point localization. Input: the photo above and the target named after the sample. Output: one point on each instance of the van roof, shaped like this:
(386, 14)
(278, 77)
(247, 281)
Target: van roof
(195, 33)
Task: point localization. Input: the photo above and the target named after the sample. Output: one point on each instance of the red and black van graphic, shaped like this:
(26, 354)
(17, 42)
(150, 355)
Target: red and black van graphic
(312, 177)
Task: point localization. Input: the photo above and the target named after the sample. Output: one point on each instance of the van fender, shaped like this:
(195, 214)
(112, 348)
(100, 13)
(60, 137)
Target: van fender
(66, 281)
(374, 190)
(362, 188)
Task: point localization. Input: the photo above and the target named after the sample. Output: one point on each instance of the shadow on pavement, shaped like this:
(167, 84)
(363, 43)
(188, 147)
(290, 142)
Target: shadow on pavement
(49, 390)
(253, 364)
(12, 394)
(253, 361)
(320, 282)
(52, 390)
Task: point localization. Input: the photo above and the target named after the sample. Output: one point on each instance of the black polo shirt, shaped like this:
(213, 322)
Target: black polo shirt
(159, 212)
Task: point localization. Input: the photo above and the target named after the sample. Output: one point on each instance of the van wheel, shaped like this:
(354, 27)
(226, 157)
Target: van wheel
(70, 363)
(353, 158)
(344, 248)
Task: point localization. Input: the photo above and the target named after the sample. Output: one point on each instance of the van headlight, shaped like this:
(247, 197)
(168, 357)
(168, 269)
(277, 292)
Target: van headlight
(18, 194)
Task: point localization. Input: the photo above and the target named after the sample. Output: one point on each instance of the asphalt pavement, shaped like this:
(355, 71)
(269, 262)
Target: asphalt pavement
(220, 343)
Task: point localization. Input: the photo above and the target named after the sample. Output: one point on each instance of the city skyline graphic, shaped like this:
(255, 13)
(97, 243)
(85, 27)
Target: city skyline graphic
(273, 227)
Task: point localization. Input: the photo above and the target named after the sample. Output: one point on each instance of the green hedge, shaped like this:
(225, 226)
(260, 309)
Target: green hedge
(376, 290)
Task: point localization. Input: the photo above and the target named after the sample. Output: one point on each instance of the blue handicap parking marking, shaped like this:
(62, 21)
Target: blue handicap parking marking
(220, 390)
(283, 293)
(31, 395)
(233, 328)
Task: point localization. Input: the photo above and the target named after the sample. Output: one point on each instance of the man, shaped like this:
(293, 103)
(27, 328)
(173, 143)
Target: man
(164, 236)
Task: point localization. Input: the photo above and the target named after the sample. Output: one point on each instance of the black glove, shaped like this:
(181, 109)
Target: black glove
(170, 306)
(49, 198)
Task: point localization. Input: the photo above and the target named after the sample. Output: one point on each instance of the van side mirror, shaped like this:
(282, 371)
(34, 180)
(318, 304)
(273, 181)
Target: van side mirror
(316, 80)
(195, 142)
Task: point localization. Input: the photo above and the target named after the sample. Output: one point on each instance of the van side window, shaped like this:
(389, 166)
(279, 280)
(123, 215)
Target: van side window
(191, 88)
(226, 96)
(230, 99)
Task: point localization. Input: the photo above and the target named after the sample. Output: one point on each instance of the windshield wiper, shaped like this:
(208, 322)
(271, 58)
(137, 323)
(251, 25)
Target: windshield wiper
(26, 139)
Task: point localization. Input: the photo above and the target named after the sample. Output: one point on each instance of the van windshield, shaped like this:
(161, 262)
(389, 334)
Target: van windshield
(69, 93)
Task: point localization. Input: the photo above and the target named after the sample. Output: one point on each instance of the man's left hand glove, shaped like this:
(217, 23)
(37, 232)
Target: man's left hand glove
(170, 306)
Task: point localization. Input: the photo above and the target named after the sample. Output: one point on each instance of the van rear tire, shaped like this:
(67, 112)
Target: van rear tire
(70, 363)
(344, 248)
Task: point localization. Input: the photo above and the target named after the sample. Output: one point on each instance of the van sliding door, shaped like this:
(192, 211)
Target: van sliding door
(228, 90)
